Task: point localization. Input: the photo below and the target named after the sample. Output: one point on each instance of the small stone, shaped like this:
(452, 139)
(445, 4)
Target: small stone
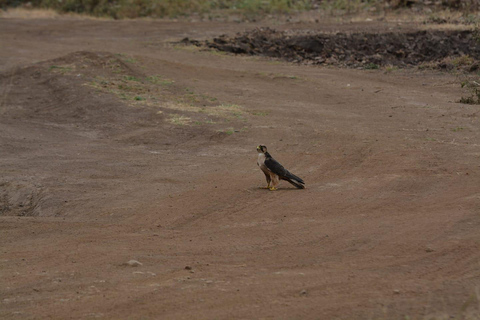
(134, 263)
(396, 291)
(428, 249)
(188, 268)
(303, 292)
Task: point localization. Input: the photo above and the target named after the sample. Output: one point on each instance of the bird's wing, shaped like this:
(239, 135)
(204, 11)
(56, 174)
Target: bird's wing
(274, 166)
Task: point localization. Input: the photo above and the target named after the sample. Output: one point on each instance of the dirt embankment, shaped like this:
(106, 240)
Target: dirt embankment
(442, 49)
(84, 101)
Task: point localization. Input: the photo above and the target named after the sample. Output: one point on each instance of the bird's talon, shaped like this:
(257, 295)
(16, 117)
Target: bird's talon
(272, 188)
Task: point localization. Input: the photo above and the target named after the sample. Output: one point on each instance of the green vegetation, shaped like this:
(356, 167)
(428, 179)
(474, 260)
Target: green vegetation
(159, 80)
(119, 9)
(132, 78)
(250, 9)
(60, 69)
(473, 88)
(471, 84)
(229, 131)
(372, 66)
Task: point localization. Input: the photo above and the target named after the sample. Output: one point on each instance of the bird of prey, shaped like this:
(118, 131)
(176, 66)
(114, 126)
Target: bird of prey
(274, 171)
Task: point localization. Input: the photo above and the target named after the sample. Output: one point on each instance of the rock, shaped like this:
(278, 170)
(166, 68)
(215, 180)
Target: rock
(396, 291)
(133, 263)
(303, 292)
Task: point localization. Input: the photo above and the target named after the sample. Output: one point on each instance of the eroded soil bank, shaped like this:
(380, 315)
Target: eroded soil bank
(442, 49)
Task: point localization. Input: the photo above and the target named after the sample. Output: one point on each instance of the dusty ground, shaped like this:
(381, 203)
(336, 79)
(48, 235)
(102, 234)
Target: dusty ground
(117, 146)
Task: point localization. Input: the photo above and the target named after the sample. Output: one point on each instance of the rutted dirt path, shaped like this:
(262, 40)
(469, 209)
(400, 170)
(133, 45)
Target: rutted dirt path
(118, 146)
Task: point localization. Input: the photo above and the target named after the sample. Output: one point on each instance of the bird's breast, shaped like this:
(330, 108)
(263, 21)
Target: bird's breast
(261, 162)
(261, 159)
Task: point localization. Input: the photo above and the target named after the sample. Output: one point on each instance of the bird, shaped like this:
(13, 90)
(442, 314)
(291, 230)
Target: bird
(274, 171)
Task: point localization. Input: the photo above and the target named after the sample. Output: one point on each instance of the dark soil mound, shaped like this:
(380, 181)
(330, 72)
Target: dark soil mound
(353, 50)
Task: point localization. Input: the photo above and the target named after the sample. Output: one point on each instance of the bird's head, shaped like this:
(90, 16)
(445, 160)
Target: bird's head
(261, 149)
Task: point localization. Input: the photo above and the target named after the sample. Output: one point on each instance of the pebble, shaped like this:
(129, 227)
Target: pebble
(134, 263)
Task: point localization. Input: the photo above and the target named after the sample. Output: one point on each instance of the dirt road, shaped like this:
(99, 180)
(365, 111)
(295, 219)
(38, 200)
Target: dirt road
(116, 145)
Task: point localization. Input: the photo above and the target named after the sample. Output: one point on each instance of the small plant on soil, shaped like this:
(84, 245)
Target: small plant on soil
(60, 69)
(472, 85)
(179, 120)
(260, 113)
(371, 66)
(160, 80)
(132, 78)
(229, 131)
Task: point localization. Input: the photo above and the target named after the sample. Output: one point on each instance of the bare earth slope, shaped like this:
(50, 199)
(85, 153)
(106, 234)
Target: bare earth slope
(116, 146)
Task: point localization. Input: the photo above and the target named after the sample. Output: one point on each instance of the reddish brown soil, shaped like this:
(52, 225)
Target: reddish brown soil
(388, 227)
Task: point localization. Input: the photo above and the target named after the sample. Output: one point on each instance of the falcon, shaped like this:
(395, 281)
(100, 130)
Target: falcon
(274, 171)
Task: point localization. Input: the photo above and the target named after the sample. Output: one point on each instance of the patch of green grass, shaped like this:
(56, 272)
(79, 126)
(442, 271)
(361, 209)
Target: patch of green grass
(139, 98)
(371, 66)
(457, 129)
(132, 78)
(260, 113)
(131, 60)
(160, 80)
(126, 58)
(60, 69)
(229, 131)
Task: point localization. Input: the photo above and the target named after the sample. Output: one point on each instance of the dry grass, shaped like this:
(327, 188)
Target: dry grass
(35, 13)
(156, 92)
(179, 120)
(22, 13)
(127, 9)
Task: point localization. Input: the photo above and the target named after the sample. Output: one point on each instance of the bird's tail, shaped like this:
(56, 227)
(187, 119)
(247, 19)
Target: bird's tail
(291, 176)
(299, 185)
